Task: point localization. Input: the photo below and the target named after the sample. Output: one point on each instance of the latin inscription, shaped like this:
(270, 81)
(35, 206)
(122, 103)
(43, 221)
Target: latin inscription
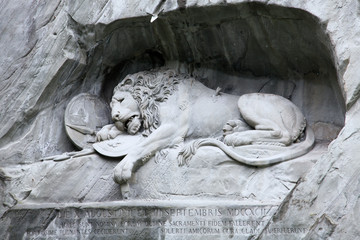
(153, 222)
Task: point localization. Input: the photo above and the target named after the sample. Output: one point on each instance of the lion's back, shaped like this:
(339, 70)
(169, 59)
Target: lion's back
(208, 111)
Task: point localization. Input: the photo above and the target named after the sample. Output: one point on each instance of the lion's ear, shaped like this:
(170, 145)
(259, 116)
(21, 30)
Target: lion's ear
(128, 82)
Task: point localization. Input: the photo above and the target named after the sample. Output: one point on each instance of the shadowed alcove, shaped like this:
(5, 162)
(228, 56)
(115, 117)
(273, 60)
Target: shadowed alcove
(242, 48)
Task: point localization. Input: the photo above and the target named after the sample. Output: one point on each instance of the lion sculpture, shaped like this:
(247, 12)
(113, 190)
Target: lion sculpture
(173, 109)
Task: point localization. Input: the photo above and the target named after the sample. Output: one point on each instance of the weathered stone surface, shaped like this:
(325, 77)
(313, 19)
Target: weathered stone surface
(327, 199)
(141, 220)
(84, 116)
(77, 52)
(224, 185)
(51, 181)
(303, 50)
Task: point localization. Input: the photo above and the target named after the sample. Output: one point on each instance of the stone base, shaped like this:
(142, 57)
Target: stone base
(90, 179)
(211, 198)
(189, 219)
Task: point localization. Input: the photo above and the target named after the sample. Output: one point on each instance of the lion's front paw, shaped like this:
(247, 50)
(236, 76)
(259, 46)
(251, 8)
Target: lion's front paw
(108, 132)
(123, 171)
(233, 126)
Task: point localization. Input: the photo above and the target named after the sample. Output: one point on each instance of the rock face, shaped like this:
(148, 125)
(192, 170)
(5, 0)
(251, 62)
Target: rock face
(304, 51)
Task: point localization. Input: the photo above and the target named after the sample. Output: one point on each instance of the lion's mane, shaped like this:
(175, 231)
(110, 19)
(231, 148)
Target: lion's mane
(149, 89)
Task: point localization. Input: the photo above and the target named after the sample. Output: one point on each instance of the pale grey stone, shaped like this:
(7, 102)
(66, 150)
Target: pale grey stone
(84, 116)
(171, 109)
(306, 51)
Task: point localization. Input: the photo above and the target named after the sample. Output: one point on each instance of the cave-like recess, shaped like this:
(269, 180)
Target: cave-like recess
(247, 47)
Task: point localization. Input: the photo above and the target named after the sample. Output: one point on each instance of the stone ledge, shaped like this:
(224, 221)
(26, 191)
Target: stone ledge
(143, 220)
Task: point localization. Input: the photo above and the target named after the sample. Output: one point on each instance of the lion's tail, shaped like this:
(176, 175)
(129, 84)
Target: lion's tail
(294, 151)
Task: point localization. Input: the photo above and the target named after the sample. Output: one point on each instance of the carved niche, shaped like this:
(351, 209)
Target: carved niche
(160, 109)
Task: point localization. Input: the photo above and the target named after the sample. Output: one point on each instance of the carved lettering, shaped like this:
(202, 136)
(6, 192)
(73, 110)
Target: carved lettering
(144, 221)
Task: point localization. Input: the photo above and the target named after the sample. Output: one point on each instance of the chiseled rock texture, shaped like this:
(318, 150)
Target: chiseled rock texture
(307, 51)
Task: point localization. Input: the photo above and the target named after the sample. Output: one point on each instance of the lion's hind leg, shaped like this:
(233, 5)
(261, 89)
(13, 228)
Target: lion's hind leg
(269, 136)
(237, 133)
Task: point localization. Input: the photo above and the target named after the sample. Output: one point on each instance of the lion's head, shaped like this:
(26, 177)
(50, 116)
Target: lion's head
(136, 99)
